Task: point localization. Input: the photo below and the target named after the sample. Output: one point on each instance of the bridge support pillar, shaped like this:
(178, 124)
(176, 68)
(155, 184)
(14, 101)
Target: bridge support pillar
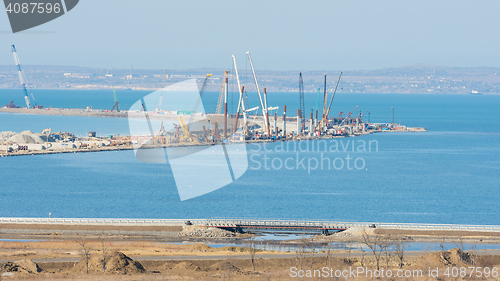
(324, 232)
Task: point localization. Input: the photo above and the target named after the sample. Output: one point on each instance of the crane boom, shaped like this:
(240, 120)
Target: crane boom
(331, 100)
(264, 106)
(22, 77)
(187, 134)
(204, 85)
(317, 99)
(348, 115)
(241, 104)
(202, 91)
(220, 102)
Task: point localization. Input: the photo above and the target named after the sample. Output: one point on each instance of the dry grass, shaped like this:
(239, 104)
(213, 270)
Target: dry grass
(70, 248)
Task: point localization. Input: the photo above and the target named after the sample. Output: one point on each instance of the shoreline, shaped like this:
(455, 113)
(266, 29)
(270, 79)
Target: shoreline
(131, 147)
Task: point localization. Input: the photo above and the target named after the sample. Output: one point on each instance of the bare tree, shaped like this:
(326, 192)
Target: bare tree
(400, 243)
(250, 245)
(363, 255)
(328, 252)
(85, 249)
(301, 250)
(104, 254)
(312, 248)
(386, 246)
(460, 243)
(374, 243)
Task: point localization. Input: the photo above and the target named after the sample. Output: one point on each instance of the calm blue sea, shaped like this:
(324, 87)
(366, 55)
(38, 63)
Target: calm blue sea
(451, 174)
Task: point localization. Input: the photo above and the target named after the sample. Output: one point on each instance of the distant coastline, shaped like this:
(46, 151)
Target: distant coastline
(411, 79)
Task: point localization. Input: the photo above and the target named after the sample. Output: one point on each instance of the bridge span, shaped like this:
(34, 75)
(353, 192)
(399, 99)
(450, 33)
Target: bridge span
(244, 223)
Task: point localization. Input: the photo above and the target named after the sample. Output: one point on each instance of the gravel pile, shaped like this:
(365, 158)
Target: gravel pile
(197, 231)
(4, 136)
(25, 137)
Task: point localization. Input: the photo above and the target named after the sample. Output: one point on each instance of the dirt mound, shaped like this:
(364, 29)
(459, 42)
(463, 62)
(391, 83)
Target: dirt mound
(183, 266)
(116, 262)
(226, 266)
(21, 266)
(453, 257)
(197, 231)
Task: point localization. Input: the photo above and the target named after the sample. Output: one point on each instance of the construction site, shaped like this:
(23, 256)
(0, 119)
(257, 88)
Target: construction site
(196, 127)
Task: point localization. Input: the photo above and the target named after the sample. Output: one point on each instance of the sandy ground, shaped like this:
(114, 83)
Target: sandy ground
(153, 259)
(120, 267)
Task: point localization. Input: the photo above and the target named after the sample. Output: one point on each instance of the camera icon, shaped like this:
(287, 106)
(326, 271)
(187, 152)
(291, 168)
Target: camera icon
(200, 163)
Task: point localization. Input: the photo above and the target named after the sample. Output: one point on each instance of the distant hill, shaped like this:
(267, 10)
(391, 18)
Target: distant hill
(416, 78)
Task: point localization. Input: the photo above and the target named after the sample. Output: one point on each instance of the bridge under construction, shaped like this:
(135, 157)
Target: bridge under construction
(241, 224)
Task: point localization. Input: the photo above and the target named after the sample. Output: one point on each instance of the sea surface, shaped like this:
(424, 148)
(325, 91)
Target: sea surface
(450, 174)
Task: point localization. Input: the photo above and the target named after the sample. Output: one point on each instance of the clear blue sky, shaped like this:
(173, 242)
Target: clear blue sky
(281, 35)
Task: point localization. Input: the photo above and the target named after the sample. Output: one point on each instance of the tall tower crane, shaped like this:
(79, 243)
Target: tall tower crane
(22, 78)
(325, 97)
(263, 104)
(199, 99)
(301, 91)
(325, 118)
(116, 102)
(220, 102)
(317, 100)
(201, 92)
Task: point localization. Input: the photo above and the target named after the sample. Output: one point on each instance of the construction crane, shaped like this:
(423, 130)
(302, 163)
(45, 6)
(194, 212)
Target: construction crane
(220, 102)
(187, 134)
(317, 99)
(202, 91)
(241, 103)
(199, 99)
(348, 115)
(22, 78)
(331, 100)
(262, 103)
(301, 92)
(325, 97)
(116, 102)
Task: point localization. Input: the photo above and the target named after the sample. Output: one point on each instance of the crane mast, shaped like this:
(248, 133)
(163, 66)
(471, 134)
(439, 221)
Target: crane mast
(241, 104)
(22, 78)
(116, 102)
(331, 100)
(202, 91)
(220, 102)
(264, 105)
(325, 97)
(301, 91)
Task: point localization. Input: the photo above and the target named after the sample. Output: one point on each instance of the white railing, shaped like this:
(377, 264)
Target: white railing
(95, 221)
(234, 222)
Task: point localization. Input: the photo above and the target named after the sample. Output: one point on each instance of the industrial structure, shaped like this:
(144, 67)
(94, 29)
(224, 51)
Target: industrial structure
(220, 126)
(22, 77)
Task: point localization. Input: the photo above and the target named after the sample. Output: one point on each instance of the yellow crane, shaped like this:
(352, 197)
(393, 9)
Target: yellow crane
(187, 134)
(47, 130)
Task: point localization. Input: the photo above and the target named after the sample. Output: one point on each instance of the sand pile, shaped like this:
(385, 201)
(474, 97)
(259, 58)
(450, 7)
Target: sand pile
(197, 231)
(227, 266)
(453, 257)
(4, 136)
(22, 266)
(184, 266)
(116, 262)
(26, 137)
